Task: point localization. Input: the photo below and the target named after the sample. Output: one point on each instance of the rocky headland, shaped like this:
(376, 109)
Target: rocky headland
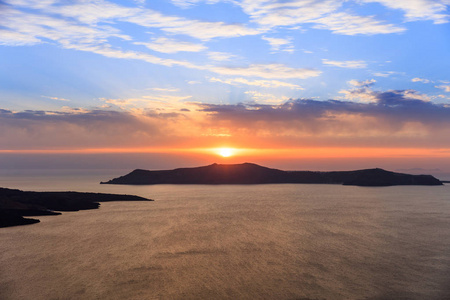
(17, 204)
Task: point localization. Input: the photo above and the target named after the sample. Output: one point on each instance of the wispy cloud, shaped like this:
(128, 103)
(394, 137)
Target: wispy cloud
(323, 14)
(165, 45)
(198, 29)
(347, 24)
(287, 13)
(268, 71)
(265, 98)
(164, 89)
(365, 83)
(260, 83)
(348, 64)
(279, 44)
(220, 56)
(423, 80)
(444, 87)
(14, 38)
(384, 74)
(157, 101)
(55, 98)
(416, 10)
(189, 3)
(40, 29)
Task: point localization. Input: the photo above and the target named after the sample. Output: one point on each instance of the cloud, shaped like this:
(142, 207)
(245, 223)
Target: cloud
(266, 98)
(50, 129)
(13, 38)
(260, 83)
(194, 82)
(165, 89)
(189, 3)
(348, 64)
(108, 51)
(393, 116)
(96, 128)
(41, 29)
(220, 56)
(166, 45)
(444, 87)
(365, 83)
(420, 80)
(268, 71)
(419, 10)
(95, 39)
(198, 29)
(323, 14)
(161, 102)
(280, 44)
(92, 13)
(384, 74)
(55, 98)
(346, 24)
(363, 93)
(287, 13)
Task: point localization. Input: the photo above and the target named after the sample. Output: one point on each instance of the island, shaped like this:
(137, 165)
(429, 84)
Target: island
(249, 173)
(17, 204)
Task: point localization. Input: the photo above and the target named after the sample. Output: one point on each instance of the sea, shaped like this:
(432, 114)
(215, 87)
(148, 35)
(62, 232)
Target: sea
(273, 241)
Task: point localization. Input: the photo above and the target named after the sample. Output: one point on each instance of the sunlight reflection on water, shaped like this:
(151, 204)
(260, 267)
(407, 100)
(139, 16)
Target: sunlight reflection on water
(234, 242)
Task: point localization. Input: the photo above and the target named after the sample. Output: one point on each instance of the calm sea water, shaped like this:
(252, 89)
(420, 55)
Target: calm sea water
(231, 242)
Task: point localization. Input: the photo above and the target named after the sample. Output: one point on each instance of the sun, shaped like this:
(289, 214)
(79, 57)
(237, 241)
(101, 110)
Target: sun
(225, 152)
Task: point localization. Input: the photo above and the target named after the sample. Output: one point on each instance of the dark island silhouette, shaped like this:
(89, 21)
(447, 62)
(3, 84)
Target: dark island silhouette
(249, 173)
(17, 204)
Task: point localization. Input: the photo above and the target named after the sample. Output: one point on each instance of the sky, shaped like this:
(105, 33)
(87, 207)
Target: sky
(318, 84)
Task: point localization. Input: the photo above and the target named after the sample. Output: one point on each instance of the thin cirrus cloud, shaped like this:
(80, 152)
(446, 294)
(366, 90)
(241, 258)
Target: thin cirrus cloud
(279, 44)
(347, 24)
(446, 88)
(348, 64)
(84, 28)
(423, 80)
(55, 98)
(220, 56)
(259, 83)
(166, 45)
(70, 35)
(415, 10)
(268, 71)
(323, 14)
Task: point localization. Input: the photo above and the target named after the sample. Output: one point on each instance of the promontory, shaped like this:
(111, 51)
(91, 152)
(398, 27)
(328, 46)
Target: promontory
(15, 204)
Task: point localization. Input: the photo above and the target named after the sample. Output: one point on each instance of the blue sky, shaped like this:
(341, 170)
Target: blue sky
(168, 73)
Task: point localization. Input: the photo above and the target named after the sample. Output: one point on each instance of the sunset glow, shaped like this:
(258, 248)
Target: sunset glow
(230, 81)
(225, 152)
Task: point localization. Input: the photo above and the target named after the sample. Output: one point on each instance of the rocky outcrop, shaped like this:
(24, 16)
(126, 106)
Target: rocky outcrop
(15, 204)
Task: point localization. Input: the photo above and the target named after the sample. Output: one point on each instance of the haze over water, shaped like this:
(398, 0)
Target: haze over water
(235, 242)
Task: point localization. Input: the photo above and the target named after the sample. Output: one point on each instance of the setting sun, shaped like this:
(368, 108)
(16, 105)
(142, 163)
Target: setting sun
(225, 152)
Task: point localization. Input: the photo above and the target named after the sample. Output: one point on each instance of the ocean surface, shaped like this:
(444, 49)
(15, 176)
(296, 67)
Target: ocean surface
(281, 241)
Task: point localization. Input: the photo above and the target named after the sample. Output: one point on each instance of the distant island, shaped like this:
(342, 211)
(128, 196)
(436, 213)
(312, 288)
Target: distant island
(249, 173)
(16, 204)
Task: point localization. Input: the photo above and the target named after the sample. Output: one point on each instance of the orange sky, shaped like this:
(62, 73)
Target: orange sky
(238, 153)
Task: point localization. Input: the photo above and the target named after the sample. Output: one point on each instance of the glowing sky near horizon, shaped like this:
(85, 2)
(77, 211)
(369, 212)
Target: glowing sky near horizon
(243, 74)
